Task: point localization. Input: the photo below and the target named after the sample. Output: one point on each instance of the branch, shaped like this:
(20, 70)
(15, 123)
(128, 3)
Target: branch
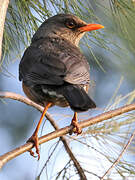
(58, 133)
(120, 156)
(53, 123)
(3, 10)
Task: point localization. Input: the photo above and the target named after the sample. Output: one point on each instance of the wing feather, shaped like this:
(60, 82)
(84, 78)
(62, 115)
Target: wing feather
(41, 66)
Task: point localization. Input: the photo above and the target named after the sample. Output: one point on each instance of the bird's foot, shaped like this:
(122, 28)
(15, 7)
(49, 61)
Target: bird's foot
(77, 129)
(35, 141)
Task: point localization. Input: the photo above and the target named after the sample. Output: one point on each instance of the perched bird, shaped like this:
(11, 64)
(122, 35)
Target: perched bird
(53, 71)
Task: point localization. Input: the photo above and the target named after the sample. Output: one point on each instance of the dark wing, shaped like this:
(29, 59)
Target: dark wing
(38, 68)
(78, 72)
(42, 67)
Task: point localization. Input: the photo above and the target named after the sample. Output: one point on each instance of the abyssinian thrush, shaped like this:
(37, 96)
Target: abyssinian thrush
(53, 71)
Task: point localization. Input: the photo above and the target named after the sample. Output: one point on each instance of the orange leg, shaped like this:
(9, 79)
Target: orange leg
(74, 122)
(34, 137)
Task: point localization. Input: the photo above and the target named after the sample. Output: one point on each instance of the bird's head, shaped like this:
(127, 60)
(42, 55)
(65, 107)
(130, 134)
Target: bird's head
(66, 26)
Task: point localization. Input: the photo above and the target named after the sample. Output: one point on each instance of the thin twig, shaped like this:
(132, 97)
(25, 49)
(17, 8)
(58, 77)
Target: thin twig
(56, 145)
(120, 156)
(58, 133)
(53, 123)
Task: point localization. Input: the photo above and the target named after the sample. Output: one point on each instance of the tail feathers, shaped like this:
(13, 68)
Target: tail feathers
(78, 98)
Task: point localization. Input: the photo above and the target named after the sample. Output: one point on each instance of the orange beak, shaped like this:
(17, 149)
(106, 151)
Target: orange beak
(90, 27)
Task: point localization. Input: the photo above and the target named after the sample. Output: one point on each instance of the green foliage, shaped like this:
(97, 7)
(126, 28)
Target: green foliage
(124, 14)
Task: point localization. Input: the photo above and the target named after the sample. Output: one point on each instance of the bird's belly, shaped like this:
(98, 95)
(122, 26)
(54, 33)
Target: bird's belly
(43, 96)
(55, 97)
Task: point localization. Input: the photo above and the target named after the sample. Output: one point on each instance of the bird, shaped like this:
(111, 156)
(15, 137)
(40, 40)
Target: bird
(54, 71)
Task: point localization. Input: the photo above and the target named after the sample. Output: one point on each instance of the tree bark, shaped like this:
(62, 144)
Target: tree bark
(3, 10)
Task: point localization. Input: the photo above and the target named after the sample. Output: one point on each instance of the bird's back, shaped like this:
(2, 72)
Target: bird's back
(53, 67)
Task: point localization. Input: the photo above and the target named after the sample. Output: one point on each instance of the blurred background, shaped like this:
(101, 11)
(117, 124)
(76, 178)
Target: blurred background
(110, 53)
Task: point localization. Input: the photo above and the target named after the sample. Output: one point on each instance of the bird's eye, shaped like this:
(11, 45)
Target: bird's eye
(70, 23)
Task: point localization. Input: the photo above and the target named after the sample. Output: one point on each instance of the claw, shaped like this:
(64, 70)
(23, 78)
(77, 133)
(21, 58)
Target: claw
(77, 129)
(34, 140)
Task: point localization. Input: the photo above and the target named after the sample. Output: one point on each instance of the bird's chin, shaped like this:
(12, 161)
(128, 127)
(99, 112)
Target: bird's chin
(80, 35)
